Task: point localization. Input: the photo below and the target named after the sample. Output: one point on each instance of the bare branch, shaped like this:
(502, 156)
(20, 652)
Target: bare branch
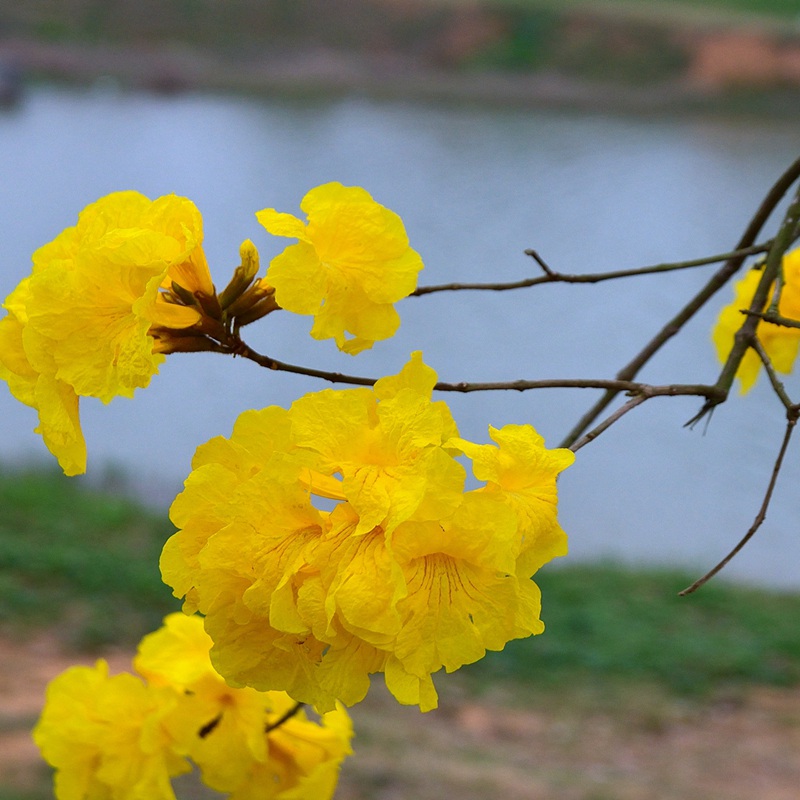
(608, 422)
(775, 319)
(777, 385)
(762, 512)
(551, 276)
(745, 337)
(716, 282)
(647, 390)
(285, 717)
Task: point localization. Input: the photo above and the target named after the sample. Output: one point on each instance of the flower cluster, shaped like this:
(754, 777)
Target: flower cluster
(78, 325)
(110, 297)
(779, 342)
(122, 738)
(335, 539)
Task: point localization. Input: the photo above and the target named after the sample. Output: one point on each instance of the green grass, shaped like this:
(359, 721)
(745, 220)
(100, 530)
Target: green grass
(609, 624)
(691, 9)
(79, 562)
(85, 564)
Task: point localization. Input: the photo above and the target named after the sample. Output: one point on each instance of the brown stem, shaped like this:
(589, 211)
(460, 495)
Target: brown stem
(745, 337)
(239, 348)
(760, 517)
(775, 319)
(608, 422)
(285, 717)
(776, 384)
(717, 281)
(551, 276)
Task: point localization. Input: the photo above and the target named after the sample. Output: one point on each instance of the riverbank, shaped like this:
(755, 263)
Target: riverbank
(632, 744)
(594, 57)
(631, 693)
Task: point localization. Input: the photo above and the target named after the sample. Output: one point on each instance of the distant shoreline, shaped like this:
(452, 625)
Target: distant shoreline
(324, 72)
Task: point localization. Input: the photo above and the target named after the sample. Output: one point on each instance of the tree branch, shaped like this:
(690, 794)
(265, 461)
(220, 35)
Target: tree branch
(716, 282)
(285, 717)
(551, 276)
(777, 385)
(608, 422)
(762, 512)
(775, 319)
(746, 337)
(631, 387)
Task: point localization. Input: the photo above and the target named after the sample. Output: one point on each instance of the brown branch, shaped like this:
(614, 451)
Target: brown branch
(695, 389)
(775, 319)
(642, 393)
(777, 385)
(463, 387)
(285, 717)
(762, 512)
(551, 276)
(716, 282)
(745, 337)
(608, 422)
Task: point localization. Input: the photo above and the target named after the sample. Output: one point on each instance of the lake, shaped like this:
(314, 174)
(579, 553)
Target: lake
(475, 187)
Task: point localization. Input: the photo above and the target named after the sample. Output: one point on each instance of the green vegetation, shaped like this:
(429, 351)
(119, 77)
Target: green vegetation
(664, 9)
(84, 564)
(79, 562)
(607, 624)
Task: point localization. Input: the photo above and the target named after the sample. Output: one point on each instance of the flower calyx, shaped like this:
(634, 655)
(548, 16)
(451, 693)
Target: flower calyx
(214, 319)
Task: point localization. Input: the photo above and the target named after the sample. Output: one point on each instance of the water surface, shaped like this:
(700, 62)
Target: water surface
(475, 188)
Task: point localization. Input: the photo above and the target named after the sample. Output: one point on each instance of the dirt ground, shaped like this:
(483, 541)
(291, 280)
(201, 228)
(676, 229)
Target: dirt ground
(745, 746)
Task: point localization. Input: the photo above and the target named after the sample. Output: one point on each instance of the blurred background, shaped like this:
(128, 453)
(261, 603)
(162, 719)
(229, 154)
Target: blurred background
(605, 135)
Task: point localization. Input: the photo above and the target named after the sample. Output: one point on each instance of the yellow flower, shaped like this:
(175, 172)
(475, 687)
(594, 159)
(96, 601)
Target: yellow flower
(117, 738)
(79, 325)
(106, 738)
(352, 262)
(779, 342)
(521, 473)
(57, 402)
(406, 574)
(228, 732)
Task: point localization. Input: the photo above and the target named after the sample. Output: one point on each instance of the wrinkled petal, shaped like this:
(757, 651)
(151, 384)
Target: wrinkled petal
(352, 263)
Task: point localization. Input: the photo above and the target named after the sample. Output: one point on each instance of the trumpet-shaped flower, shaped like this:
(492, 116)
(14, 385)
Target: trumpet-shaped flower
(229, 733)
(351, 264)
(406, 574)
(119, 738)
(779, 342)
(79, 325)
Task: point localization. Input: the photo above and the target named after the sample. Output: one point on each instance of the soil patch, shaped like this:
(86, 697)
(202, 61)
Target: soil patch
(500, 744)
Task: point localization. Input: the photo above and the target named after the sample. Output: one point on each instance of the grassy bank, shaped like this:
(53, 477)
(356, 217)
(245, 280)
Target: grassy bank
(79, 562)
(84, 564)
(630, 692)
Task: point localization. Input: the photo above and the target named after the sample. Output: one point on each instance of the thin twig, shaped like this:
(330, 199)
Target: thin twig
(285, 717)
(746, 335)
(760, 517)
(777, 385)
(775, 319)
(551, 276)
(464, 387)
(608, 422)
(716, 282)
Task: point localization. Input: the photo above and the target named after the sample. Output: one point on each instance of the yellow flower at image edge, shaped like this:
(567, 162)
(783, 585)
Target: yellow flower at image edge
(352, 262)
(780, 342)
(408, 573)
(123, 738)
(79, 324)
